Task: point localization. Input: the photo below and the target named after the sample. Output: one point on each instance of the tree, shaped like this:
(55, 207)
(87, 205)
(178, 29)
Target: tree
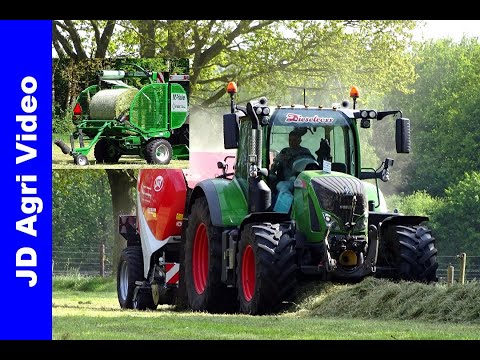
(444, 111)
(86, 206)
(75, 39)
(122, 187)
(81, 212)
(457, 221)
(264, 57)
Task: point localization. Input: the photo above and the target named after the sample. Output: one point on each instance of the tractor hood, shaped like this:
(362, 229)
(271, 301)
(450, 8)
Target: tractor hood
(343, 197)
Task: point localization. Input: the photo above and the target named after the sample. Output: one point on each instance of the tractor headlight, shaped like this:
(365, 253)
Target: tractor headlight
(330, 222)
(368, 114)
(262, 110)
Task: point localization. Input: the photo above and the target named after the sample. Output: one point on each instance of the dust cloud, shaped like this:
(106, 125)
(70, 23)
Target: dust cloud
(206, 145)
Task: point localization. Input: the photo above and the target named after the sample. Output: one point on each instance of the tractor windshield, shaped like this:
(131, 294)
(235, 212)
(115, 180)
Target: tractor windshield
(313, 134)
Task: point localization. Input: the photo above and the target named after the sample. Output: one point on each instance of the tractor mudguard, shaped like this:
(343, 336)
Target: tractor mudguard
(272, 217)
(395, 219)
(226, 201)
(207, 189)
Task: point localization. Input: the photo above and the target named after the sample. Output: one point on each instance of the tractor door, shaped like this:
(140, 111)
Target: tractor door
(241, 166)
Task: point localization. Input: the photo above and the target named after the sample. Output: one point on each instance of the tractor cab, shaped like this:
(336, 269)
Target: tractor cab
(281, 143)
(301, 138)
(289, 141)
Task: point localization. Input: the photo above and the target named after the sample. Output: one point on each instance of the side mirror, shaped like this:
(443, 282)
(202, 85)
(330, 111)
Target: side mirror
(402, 135)
(230, 131)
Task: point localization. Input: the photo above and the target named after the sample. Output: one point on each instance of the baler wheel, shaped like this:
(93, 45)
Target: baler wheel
(130, 270)
(158, 151)
(80, 159)
(105, 152)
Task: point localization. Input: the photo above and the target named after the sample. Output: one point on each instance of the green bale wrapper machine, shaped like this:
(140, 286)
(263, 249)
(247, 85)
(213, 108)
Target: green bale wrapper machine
(115, 118)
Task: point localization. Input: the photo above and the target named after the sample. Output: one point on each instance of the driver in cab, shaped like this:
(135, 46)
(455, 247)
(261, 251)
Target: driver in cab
(282, 164)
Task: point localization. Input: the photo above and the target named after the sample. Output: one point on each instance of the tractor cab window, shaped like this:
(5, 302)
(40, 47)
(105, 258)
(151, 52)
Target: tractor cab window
(241, 166)
(301, 139)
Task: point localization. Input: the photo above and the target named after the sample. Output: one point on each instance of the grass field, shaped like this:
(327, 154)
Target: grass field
(87, 308)
(65, 161)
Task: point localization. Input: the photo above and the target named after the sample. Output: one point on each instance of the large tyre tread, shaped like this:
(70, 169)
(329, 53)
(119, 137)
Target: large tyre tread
(418, 252)
(216, 298)
(101, 152)
(151, 149)
(134, 259)
(275, 267)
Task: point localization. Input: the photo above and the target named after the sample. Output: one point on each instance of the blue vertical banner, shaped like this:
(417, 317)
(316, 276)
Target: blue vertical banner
(26, 180)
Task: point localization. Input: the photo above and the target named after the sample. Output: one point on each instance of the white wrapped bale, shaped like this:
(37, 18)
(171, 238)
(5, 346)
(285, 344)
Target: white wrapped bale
(111, 103)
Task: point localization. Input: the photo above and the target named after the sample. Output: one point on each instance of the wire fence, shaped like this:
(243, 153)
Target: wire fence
(97, 260)
(87, 260)
(472, 267)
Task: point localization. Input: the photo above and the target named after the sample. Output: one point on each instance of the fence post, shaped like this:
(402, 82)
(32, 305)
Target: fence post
(450, 271)
(102, 260)
(463, 262)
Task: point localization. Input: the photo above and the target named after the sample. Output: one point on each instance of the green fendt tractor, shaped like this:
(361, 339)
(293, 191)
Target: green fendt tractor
(115, 118)
(252, 234)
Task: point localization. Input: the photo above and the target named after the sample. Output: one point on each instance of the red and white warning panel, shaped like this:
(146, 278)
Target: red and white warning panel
(171, 275)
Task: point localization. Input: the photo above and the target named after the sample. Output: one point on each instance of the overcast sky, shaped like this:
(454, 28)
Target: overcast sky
(454, 29)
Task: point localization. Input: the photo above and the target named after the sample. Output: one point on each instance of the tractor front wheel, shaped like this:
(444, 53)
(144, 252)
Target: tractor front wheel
(158, 151)
(417, 258)
(203, 263)
(266, 269)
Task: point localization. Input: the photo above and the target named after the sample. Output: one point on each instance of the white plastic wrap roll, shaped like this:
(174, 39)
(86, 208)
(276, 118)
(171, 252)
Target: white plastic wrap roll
(111, 103)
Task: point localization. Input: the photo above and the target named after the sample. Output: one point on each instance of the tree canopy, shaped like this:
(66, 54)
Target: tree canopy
(273, 58)
(444, 110)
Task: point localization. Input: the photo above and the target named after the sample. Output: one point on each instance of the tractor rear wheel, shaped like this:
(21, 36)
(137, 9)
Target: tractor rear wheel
(203, 263)
(158, 151)
(266, 268)
(130, 270)
(417, 259)
(105, 152)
